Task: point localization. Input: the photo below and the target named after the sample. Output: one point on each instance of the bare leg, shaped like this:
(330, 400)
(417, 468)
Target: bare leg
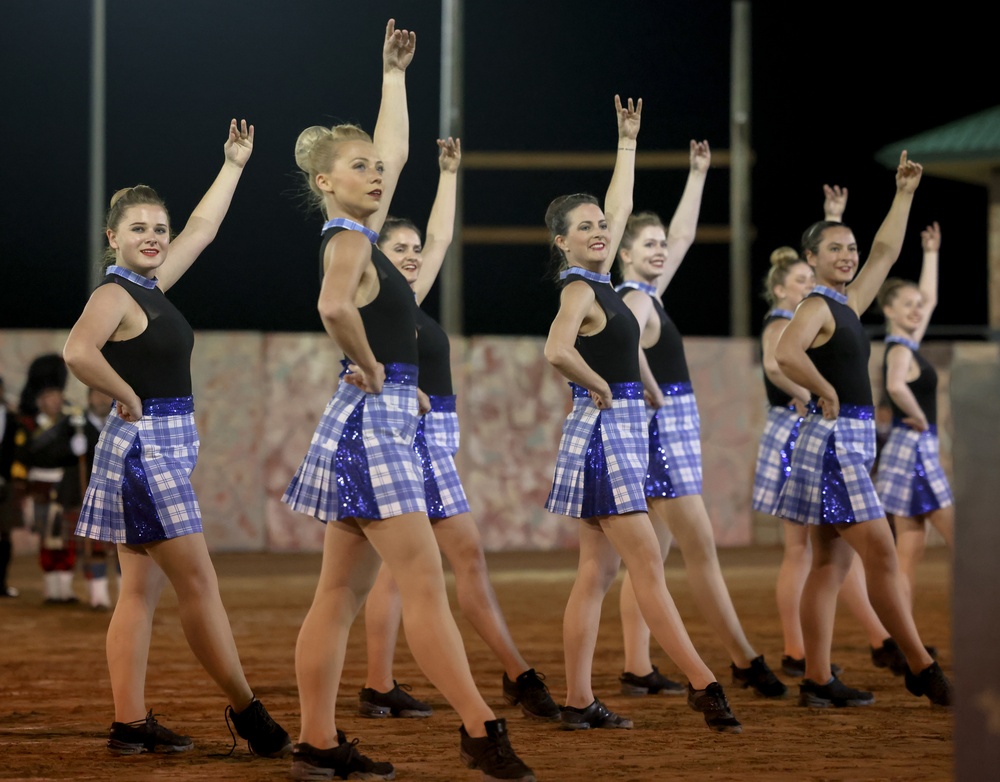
(458, 538)
(831, 560)
(383, 612)
(872, 540)
(635, 631)
(943, 520)
(187, 565)
(791, 579)
(129, 632)
(406, 544)
(854, 593)
(349, 568)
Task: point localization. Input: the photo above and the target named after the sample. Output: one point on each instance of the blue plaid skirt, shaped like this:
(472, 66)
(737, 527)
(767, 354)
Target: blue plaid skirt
(436, 443)
(774, 456)
(674, 444)
(603, 455)
(140, 488)
(910, 479)
(361, 463)
(829, 480)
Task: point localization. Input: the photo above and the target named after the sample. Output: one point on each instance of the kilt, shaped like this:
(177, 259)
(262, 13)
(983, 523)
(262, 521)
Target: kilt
(829, 480)
(436, 443)
(774, 456)
(674, 444)
(603, 455)
(910, 479)
(361, 463)
(140, 488)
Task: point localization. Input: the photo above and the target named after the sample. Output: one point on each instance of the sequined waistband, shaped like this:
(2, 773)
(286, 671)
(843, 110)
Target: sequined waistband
(618, 391)
(399, 373)
(442, 404)
(859, 412)
(171, 405)
(931, 428)
(676, 389)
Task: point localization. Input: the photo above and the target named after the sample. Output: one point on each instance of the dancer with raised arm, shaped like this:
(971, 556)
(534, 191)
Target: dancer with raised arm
(604, 450)
(361, 476)
(132, 344)
(824, 349)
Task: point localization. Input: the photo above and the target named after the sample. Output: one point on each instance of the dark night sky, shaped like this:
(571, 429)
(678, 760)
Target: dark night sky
(828, 92)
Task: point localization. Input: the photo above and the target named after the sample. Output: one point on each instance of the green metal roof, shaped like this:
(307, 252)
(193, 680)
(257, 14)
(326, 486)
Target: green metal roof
(966, 149)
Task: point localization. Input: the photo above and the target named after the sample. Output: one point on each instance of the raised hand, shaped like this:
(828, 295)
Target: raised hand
(834, 202)
(451, 154)
(930, 238)
(239, 145)
(701, 156)
(398, 48)
(908, 174)
(628, 118)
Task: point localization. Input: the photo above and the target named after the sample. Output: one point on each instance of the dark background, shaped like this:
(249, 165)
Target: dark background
(831, 86)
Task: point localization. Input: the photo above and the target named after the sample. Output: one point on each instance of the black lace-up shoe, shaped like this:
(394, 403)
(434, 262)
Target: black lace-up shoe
(493, 756)
(650, 684)
(341, 762)
(931, 682)
(145, 735)
(714, 705)
(833, 693)
(890, 656)
(760, 678)
(396, 703)
(264, 736)
(596, 715)
(530, 691)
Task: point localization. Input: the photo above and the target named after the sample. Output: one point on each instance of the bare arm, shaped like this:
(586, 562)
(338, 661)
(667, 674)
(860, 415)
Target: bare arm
(575, 304)
(642, 307)
(392, 128)
(347, 256)
(834, 203)
(108, 308)
(204, 222)
(618, 199)
(930, 241)
(889, 239)
(812, 318)
(769, 341)
(684, 223)
(898, 364)
(441, 223)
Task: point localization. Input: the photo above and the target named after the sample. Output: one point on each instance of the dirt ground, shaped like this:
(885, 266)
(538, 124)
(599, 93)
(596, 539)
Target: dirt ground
(55, 697)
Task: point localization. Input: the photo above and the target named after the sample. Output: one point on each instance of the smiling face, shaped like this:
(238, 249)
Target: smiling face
(353, 185)
(836, 258)
(799, 282)
(403, 248)
(906, 310)
(647, 256)
(141, 238)
(585, 242)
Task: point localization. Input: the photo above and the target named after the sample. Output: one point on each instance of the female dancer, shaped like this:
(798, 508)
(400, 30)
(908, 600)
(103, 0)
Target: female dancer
(825, 349)
(436, 442)
(132, 344)
(603, 453)
(361, 476)
(650, 258)
(910, 482)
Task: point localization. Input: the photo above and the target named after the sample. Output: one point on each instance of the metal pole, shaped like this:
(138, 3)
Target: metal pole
(95, 219)
(452, 315)
(739, 189)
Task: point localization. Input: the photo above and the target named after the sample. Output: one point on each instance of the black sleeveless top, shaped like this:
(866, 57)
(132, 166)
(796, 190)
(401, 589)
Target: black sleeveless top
(775, 396)
(613, 352)
(157, 363)
(843, 361)
(924, 388)
(434, 351)
(666, 358)
(390, 318)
